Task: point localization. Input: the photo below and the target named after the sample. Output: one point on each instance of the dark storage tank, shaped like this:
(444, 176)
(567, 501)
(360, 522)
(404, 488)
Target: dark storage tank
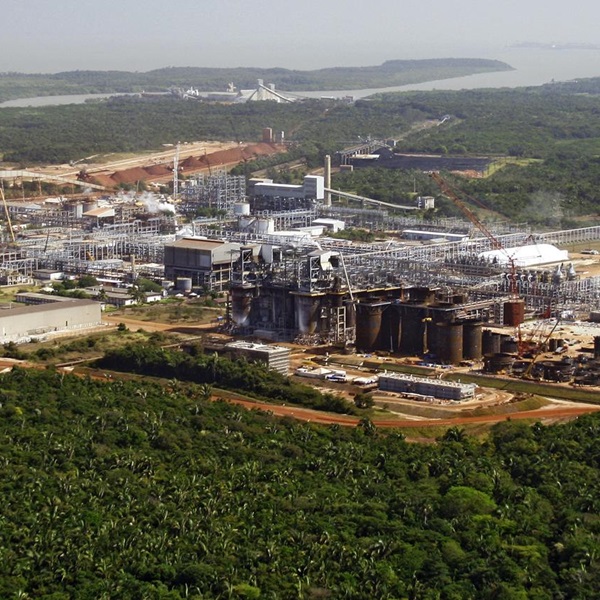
(490, 342)
(472, 340)
(509, 345)
(391, 329)
(450, 342)
(597, 346)
(413, 329)
(499, 362)
(307, 309)
(368, 325)
(514, 313)
(241, 305)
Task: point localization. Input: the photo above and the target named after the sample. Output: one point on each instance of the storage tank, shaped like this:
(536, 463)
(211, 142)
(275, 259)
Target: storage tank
(307, 308)
(472, 340)
(514, 313)
(499, 362)
(450, 342)
(490, 342)
(391, 329)
(368, 325)
(264, 225)
(184, 284)
(241, 209)
(241, 304)
(413, 330)
(597, 346)
(509, 345)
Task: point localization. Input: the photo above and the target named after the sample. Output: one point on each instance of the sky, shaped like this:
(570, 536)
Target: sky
(140, 35)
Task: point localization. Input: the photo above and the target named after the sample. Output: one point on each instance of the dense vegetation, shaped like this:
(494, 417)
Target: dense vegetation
(238, 375)
(125, 489)
(551, 134)
(390, 73)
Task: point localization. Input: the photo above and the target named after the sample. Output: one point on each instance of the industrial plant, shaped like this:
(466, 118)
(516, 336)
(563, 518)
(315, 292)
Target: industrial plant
(435, 288)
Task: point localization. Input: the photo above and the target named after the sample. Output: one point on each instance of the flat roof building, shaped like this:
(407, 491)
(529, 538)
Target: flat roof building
(274, 357)
(424, 386)
(21, 323)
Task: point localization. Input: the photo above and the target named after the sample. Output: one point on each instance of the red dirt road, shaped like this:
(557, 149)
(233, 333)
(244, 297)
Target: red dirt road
(314, 416)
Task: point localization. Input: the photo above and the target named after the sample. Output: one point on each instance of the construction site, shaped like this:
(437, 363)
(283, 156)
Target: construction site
(445, 291)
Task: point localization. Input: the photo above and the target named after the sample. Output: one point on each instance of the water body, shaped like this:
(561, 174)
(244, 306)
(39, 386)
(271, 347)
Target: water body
(55, 100)
(532, 67)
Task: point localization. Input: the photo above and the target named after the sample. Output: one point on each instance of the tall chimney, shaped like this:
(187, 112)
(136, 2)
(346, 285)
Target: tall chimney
(328, 179)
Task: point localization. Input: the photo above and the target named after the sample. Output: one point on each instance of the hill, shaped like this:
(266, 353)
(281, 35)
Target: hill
(390, 73)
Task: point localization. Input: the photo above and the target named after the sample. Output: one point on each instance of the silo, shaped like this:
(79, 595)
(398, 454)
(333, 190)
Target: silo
(368, 325)
(514, 313)
(391, 329)
(184, 284)
(499, 362)
(472, 340)
(306, 313)
(241, 304)
(490, 342)
(509, 345)
(450, 342)
(413, 329)
(241, 209)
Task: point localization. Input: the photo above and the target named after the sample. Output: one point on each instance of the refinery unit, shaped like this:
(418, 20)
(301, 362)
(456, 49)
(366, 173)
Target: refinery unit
(268, 248)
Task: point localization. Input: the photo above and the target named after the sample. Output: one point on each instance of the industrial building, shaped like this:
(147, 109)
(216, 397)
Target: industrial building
(438, 388)
(276, 358)
(21, 323)
(207, 263)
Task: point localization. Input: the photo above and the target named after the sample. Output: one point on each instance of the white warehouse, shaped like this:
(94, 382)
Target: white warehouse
(21, 323)
(439, 388)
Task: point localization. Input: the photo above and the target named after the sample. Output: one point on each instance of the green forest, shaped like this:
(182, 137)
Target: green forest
(125, 489)
(390, 73)
(549, 138)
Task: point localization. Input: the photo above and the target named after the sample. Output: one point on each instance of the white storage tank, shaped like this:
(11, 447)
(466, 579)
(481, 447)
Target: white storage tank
(241, 209)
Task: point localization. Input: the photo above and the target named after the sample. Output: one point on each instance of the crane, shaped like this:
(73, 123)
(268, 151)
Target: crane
(7, 215)
(494, 242)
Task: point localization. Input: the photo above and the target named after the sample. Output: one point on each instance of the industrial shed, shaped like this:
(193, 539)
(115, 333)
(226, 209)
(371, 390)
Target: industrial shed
(21, 323)
(527, 256)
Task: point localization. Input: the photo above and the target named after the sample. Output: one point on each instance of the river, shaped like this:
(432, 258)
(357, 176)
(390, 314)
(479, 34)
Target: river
(532, 67)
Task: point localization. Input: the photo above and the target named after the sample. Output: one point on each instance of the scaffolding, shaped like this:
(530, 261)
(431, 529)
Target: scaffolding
(218, 192)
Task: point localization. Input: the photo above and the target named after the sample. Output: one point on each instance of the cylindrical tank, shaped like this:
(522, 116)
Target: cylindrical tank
(241, 209)
(472, 340)
(368, 325)
(184, 284)
(306, 313)
(391, 329)
(597, 346)
(413, 330)
(514, 313)
(241, 304)
(264, 225)
(490, 342)
(450, 342)
(509, 345)
(499, 362)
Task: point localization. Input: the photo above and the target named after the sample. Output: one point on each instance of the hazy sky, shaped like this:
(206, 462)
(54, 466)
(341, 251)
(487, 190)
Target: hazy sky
(139, 35)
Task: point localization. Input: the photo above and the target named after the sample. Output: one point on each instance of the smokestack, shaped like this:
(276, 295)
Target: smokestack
(133, 269)
(328, 179)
